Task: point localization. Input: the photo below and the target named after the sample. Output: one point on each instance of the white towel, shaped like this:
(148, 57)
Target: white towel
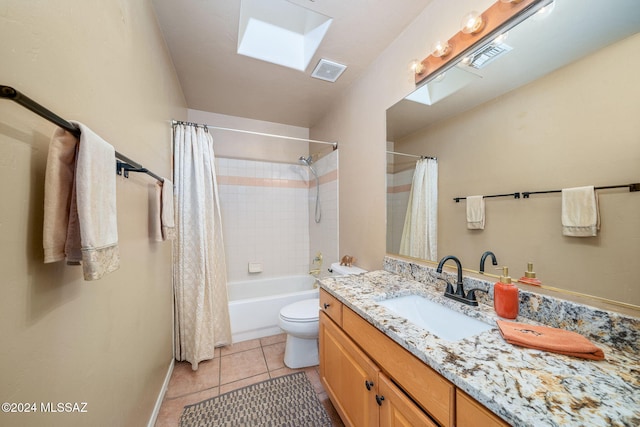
(167, 215)
(580, 212)
(96, 199)
(475, 212)
(155, 212)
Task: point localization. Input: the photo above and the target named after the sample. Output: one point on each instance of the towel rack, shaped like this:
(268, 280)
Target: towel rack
(632, 188)
(124, 165)
(514, 195)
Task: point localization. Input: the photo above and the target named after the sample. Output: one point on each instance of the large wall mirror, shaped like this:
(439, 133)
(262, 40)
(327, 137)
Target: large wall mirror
(557, 105)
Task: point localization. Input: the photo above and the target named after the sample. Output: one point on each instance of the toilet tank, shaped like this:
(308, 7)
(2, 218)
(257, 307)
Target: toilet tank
(342, 270)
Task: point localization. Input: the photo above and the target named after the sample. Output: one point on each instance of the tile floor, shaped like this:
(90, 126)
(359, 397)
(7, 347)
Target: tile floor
(232, 367)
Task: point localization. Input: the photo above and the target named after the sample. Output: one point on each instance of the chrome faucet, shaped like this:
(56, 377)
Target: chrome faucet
(494, 261)
(459, 294)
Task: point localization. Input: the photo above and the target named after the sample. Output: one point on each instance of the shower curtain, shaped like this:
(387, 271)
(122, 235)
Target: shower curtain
(420, 232)
(200, 277)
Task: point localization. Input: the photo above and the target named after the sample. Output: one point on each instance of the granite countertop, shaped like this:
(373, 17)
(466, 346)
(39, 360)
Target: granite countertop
(523, 386)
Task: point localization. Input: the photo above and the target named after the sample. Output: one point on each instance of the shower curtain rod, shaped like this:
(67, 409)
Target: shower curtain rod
(123, 163)
(334, 144)
(411, 155)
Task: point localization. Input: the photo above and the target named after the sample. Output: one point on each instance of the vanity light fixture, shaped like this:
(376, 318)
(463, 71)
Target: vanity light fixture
(496, 20)
(472, 23)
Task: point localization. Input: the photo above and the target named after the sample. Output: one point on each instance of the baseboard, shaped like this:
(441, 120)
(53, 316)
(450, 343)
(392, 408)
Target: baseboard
(163, 391)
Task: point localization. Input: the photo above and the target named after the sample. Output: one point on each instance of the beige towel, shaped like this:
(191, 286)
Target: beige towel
(58, 192)
(167, 215)
(580, 212)
(475, 212)
(96, 200)
(163, 220)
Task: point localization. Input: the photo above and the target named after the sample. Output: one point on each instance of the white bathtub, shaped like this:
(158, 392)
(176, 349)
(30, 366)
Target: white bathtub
(254, 305)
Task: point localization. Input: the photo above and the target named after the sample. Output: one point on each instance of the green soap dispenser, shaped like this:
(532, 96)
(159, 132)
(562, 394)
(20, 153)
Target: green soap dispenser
(506, 300)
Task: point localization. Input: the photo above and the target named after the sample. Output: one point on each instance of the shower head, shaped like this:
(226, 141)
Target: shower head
(306, 160)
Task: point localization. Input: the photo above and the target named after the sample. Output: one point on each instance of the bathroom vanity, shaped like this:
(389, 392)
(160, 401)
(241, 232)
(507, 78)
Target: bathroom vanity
(378, 368)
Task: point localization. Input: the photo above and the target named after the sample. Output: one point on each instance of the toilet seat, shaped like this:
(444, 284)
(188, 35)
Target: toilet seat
(305, 311)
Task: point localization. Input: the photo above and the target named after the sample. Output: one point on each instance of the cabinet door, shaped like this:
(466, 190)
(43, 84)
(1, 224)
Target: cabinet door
(470, 413)
(345, 372)
(396, 410)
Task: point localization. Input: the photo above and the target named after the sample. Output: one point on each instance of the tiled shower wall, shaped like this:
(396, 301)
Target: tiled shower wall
(398, 188)
(267, 215)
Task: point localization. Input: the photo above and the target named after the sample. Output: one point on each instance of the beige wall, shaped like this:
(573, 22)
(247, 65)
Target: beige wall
(107, 343)
(577, 126)
(357, 122)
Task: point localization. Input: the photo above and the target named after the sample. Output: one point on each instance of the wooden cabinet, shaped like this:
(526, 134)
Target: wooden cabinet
(362, 395)
(426, 387)
(373, 381)
(469, 413)
(345, 372)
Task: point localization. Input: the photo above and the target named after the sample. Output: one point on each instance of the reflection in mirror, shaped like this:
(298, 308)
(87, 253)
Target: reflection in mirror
(558, 110)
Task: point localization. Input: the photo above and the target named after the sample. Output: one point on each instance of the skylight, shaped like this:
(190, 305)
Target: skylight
(280, 32)
(448, 83)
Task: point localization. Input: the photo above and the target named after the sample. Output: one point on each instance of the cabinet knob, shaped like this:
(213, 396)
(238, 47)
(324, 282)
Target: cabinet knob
(326, 305)
(368, 384)
(379, 399)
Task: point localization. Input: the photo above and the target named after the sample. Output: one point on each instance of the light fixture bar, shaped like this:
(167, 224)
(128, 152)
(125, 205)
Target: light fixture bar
(499, 18)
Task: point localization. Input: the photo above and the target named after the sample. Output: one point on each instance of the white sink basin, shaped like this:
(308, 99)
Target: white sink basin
(435, 318)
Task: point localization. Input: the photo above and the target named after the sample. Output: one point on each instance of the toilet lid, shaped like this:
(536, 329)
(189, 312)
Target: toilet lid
(302, 311)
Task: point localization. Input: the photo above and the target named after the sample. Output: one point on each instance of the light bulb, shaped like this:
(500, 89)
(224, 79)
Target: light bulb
(472, 23)
(440, 48)
(416, 66)
(440, 77)
(501, 38)
(545, 11)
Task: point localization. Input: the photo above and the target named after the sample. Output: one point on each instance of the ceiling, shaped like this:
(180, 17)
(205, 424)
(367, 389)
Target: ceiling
(202, 37)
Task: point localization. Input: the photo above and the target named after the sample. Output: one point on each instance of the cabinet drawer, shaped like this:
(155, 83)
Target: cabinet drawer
(330, 305)
(470, 413)
(426, 387)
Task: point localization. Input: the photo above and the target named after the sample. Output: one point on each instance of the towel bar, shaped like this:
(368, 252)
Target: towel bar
(123, 164)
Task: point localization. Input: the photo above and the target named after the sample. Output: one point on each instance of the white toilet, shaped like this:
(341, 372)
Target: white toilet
(300, 321)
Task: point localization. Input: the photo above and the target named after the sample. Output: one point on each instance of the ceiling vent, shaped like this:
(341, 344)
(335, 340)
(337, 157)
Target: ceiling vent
(328, 70)
(488, 54)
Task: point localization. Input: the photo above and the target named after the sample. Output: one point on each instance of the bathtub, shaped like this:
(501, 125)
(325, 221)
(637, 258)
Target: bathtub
(254, 305)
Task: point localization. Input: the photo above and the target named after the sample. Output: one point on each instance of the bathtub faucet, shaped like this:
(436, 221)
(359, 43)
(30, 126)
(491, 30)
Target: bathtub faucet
(317, 260)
